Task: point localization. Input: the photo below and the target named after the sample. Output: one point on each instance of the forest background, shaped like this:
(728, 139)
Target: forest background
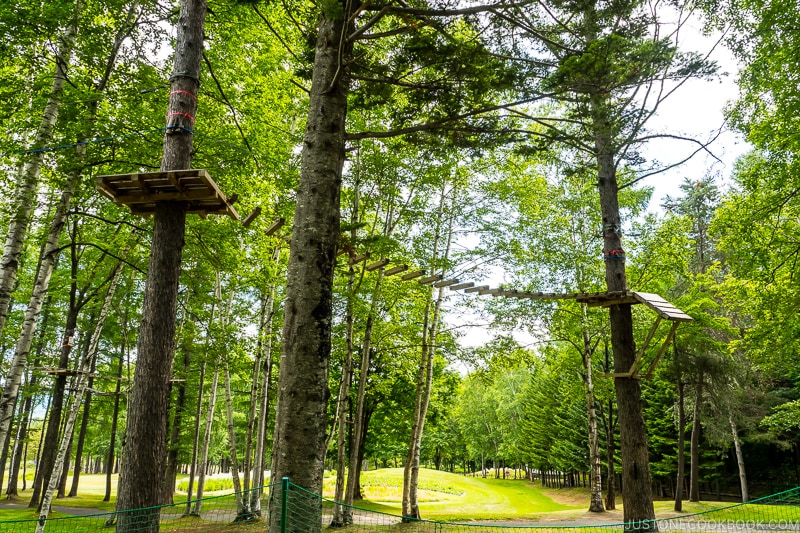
(85, 85)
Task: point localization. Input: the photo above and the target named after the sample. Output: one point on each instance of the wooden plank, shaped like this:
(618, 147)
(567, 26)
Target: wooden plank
(460, 286)
(274, 227)
(359, 258)
(376, 265)
(477, 289)
(430, 279)
(413, 275)
(395, 270)
(445, 283)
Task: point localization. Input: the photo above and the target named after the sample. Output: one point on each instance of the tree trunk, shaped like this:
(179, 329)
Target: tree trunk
(639, 513)
(171, 471)
(681, 436)
(23, 205)
(62, 482)
(51, 440)
(196, 441)
(737, 445)
(340, 513)
(425, 374)
(80, 388)
(596, 480)
(301, 423)
(87, 403)
(265, 345)
(353, 489)
(212, 402)
(142, 470)
(17, 457)
(694, 471)
(109, 466)
(242, 503)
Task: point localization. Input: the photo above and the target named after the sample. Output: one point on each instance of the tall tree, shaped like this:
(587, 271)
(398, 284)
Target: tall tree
(609, 66)
(144, 454)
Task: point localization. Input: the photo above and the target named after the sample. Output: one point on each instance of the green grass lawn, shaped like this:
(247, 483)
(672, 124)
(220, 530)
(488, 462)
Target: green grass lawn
(445, 496)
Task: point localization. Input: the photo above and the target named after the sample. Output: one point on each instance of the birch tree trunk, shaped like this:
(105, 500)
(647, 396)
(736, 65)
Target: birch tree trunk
(144, 455)
(737, 445)
(201, 481)
(359, 419)
(242, 504)
(80, 389)
(425, 374)
(679, 482)
(596, 479)
(25, 200)
(694, 470)
(265, 345)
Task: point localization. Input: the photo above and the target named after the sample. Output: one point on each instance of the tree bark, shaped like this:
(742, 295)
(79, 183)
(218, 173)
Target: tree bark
(596, 479)
(87, 404)
(341, 513)
(358, 431)
(171, 471)
(80, 386)
(109, 466)
(694, 471)
(300, 427)
(201, 480)
(143, 457)
(24, 203)
(679, 482)
(639, 513)
(242, 503)
(265, 345)
(737, 445)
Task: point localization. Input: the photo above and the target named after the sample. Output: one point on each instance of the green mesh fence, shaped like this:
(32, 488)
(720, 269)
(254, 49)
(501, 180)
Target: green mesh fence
(304, 512)
(242, 512)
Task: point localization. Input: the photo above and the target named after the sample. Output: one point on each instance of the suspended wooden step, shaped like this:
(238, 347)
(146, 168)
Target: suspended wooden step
(142, 191)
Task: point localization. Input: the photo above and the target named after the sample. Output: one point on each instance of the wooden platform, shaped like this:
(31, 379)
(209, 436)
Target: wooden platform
(141, 191)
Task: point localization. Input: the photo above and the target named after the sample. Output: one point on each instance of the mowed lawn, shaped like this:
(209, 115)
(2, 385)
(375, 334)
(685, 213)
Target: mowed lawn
(445, 496)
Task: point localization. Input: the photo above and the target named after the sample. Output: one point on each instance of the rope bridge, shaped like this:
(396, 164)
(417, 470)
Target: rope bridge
(305, 512)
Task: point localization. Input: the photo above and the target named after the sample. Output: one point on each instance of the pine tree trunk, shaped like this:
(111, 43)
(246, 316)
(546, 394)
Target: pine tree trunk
(51, 440)
(87, 403)
(144, 455)
(301, 421)
(171, 471)
(639, 513)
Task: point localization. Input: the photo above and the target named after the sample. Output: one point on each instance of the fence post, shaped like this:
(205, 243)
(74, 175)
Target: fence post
(284, 502)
